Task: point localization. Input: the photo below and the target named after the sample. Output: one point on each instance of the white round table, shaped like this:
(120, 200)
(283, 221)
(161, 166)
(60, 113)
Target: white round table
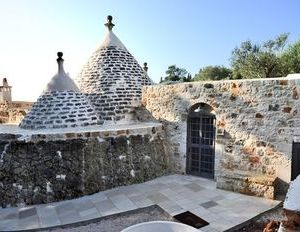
(163, 226)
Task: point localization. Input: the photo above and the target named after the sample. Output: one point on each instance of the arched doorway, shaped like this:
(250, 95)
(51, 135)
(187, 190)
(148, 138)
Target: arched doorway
(201, 141)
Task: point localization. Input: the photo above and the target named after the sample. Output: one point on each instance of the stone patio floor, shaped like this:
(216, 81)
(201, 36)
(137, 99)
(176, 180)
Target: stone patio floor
(174, 193)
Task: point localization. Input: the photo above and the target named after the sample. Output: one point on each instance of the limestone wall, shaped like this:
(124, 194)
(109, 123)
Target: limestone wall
(43, 168)
(256, 121)
(13, 112)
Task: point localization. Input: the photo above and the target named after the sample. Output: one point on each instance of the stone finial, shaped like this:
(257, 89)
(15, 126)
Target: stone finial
(4, 81)
(145, 67)
(59, 54)
(60, 61)
(109, 23)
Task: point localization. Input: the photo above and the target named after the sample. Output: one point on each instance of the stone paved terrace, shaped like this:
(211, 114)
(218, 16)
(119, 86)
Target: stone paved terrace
(174, 193)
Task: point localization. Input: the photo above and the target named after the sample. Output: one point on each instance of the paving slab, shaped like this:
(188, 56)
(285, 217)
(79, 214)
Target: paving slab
(174, 193)
(122, 202)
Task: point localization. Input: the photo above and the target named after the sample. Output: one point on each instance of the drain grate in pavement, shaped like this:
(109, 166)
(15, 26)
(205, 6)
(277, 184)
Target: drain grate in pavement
(191, 219)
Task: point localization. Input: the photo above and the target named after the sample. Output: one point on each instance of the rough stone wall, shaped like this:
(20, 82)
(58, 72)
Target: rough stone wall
(113, 81)
(60, 109)
(256, 121)
(39, 170)
(13, 112)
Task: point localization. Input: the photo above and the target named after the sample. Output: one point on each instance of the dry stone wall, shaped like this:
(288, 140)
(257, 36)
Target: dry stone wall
(47, 168)
(256, 122)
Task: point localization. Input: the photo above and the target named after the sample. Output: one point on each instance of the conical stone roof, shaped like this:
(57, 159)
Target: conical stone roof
(61, 105)
(112, 78)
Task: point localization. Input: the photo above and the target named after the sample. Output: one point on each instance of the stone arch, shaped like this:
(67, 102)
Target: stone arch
(203, 108)
(201, 130)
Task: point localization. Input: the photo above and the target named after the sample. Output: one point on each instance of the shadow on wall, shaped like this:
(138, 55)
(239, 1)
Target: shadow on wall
(141, 114)
(281, 187)
(175, 132)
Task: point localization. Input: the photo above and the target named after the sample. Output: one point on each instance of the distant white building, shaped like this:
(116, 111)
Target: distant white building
(5, 91)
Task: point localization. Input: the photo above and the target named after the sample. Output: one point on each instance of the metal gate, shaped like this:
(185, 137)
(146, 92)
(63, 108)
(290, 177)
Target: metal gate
(295, 160)
(201, 144)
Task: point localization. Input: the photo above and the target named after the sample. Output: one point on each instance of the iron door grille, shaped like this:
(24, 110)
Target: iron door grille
(201, 145)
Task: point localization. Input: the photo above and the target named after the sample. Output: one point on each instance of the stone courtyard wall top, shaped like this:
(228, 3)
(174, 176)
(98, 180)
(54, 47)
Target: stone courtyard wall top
(13, 132)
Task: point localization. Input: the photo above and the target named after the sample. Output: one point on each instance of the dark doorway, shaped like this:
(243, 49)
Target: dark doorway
(295, 160)
(201, 141)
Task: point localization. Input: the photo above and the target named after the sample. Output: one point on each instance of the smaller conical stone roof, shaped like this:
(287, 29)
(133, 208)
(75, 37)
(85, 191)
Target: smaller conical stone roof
(61, 105)
(112, 78)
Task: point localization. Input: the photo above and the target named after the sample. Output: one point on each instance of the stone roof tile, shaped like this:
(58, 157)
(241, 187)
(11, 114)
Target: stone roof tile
(112, 78)
(61, 105)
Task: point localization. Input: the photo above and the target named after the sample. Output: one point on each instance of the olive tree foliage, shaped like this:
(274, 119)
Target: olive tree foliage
(213, 73)
(290, 59)
(272, 58)
(176, 74)
(251, 60)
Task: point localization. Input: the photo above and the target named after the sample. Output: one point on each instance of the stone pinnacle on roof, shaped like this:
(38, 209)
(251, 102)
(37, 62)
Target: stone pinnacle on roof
(60, 62)
(109, 23)
(145, 67)
(110, 38)
(61, 81)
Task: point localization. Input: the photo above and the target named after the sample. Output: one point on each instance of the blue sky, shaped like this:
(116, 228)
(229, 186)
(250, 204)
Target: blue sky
(188, 33)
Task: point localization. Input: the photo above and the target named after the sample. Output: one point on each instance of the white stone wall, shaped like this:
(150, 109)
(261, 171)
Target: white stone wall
(113, 81)
(258, 117)
(60, 109)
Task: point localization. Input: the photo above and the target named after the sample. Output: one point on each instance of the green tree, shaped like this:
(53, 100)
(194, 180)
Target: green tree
(290, 59)
(258, 60)
(188, 78)
(213, 73)
(175, 73)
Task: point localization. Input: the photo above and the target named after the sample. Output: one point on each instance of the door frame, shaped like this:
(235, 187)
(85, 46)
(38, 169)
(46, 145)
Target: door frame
(192, 114)
(295, 169)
